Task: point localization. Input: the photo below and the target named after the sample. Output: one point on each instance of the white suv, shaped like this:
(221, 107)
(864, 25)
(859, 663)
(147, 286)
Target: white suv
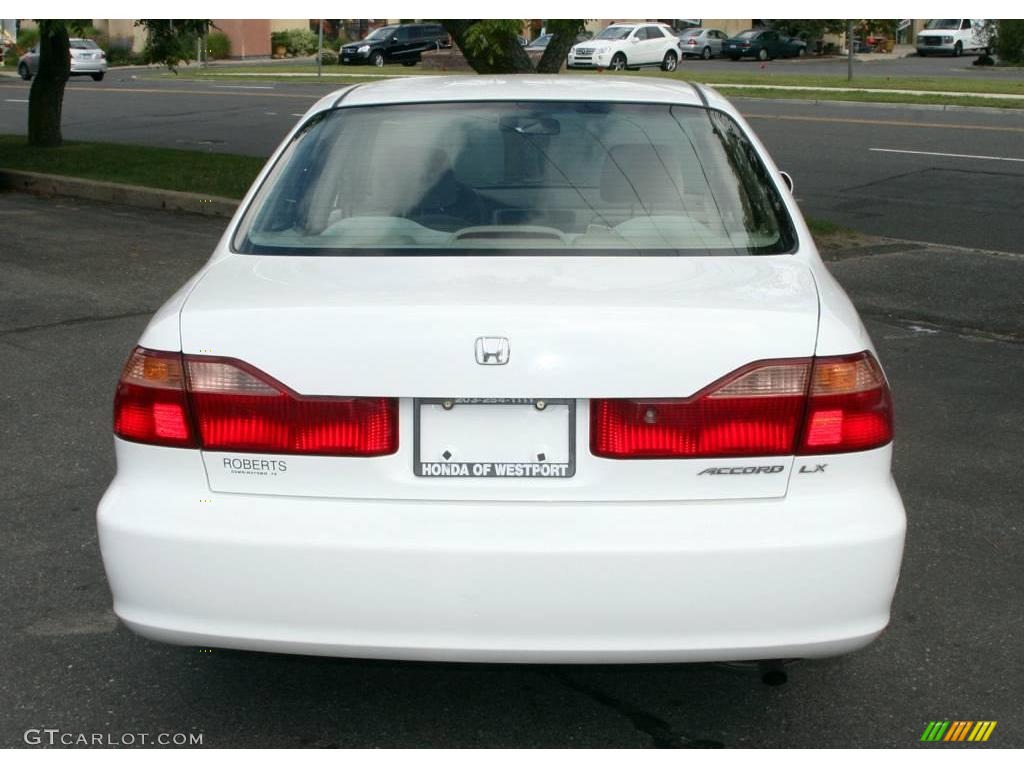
(952, 36)
(628, 46)
(562, 378)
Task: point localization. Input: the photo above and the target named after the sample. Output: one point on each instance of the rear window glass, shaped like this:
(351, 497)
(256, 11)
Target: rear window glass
(518, 176)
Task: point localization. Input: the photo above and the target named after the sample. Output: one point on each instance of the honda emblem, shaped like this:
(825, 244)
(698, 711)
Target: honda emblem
(492, 350)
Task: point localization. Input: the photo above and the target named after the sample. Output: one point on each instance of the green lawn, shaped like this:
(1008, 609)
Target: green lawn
(743, 75)
(178, 169)
(714, 74)
(301, 71)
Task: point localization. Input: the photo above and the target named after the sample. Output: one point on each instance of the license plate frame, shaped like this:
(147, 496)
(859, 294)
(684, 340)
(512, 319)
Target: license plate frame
(490, 470)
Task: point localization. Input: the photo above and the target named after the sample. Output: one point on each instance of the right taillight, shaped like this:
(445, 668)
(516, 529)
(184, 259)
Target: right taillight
(769, 408)
(222, 404)
(849, 406)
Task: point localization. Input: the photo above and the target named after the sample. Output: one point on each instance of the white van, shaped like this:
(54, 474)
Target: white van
(952, 36)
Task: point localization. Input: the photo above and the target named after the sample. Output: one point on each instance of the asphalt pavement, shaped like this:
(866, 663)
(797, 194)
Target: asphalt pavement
(920, 173)
(79, 282)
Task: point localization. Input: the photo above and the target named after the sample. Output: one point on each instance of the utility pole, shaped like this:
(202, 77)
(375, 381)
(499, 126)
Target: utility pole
(320, 52)
(849, 49)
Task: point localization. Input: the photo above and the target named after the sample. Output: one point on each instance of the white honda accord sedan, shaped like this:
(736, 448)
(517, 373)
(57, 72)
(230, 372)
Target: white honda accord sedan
(529, 369)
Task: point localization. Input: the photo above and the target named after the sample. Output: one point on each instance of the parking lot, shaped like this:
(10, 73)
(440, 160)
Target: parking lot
(80, 282)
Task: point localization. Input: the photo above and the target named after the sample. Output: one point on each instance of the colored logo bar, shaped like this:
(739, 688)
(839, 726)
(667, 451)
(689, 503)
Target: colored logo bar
(958, 730)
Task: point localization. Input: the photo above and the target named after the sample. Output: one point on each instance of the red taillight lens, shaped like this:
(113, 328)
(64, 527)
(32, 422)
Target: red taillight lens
(771, 408)
(236, 407)
(150, 405)
(755, 411)
(849, 406)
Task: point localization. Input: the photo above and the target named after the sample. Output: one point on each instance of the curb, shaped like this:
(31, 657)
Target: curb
(48, 184)
(1011, 111)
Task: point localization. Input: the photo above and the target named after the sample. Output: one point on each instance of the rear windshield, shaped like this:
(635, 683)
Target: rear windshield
(520, 177)
(82, 44)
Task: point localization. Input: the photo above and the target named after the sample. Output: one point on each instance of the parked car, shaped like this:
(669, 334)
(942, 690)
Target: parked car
(952, 36)
(762, 44)
(541, 41)
(793, 47)
(87, 58)
(627, 46)
(509, 370)
(701, 41)
(396, 43)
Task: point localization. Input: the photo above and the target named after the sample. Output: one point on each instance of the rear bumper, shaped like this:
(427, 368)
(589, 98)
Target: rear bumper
(811, 574)
(88, 67)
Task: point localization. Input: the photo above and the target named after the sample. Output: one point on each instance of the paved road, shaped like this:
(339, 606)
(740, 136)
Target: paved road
(71, 308)
(833, 151)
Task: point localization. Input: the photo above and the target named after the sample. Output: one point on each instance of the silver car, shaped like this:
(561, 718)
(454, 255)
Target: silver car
(700, 41)
(87, 58)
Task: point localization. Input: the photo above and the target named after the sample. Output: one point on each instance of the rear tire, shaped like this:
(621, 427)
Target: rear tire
(97, 76)
(24, 71)
(706, 53)
(377, 58)
(670, 62)
(618, 62)
(762, 55)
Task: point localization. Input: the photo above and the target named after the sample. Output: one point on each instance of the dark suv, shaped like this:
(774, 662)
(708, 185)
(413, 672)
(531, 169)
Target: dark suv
(398, 42)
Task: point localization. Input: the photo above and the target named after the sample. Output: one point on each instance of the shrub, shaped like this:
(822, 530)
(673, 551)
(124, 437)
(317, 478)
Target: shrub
(329, 57)
(27, 38)
(297, 42)
(1010, 41)
(184, 49)
(11, 57)
(119, 51)
(218, 46)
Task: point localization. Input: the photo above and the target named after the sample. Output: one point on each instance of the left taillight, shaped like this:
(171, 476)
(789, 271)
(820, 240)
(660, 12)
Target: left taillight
(151, 404)
(227, 405)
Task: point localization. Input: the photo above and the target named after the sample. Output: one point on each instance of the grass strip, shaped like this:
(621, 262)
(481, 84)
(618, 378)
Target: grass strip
(877, 97)
(768, 77)
(181, 170)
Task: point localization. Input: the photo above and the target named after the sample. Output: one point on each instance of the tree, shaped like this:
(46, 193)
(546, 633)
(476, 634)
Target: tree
(985, 31)
(170, 42)
(1009, 42)
(492, 47)
(46, 96)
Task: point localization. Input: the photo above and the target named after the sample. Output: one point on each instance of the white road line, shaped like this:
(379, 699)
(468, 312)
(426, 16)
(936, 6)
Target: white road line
(948, 154)
(297, 114)
(270, 113)
(247, 87)
(18, 101)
